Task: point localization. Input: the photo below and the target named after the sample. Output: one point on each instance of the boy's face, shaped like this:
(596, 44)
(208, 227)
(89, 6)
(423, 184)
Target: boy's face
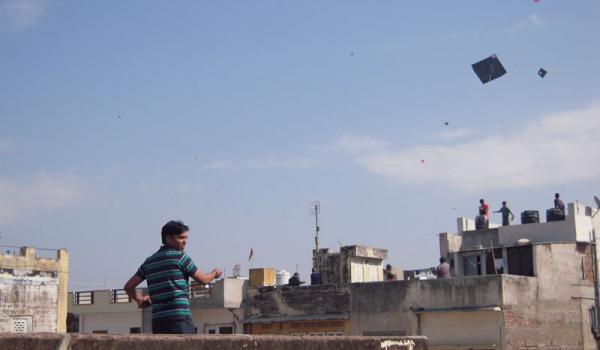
(177, 241)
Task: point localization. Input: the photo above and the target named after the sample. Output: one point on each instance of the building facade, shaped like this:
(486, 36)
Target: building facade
(216, 309)
(528, 286)
(33, 291)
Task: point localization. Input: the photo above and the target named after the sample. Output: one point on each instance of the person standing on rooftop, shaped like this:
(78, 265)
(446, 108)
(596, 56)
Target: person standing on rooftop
(558, 203)
(505, 213)
(167, 273)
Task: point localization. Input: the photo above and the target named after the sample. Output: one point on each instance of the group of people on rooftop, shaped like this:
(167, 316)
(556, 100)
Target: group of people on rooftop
(483, 219)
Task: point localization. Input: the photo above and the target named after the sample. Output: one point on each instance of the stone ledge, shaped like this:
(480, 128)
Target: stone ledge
(55, 341)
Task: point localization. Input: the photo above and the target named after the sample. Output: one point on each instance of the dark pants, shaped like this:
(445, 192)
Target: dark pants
(185, 326)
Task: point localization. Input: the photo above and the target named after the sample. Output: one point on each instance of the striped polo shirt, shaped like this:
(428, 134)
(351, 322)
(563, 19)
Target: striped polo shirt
(168, 272)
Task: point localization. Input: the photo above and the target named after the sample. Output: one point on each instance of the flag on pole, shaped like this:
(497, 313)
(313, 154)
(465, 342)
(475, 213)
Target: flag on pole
(251, 254)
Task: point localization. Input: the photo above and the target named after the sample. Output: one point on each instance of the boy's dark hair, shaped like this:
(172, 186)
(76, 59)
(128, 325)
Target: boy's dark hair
(173, 228)
(556, 195)
(442, 260)
(481, 201)
(503, 202)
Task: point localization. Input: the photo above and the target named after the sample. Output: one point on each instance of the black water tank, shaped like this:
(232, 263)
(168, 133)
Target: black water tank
(530, 217)
(555, 214)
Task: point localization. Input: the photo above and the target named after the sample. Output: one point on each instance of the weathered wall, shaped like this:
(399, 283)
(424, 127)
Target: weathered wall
(392, 306)
(389, 307)
(468, 328)
(31, 298)
(181, 342)
(288, 301)
(28, 262)
(563, 270)
(545, 325)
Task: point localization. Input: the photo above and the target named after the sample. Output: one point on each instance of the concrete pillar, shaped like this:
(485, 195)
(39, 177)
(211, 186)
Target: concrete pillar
(62, 267)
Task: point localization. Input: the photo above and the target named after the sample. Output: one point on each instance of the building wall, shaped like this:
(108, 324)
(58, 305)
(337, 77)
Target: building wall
(394, 306)
(112, 323)
(28, 263)
(32, 299)
(297, 301)
(204, 319)
(546, 325)
(468, 328)
(300, 327)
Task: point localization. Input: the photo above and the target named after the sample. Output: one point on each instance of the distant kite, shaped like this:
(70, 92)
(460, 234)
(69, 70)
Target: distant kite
(542, 72)
(489, 69)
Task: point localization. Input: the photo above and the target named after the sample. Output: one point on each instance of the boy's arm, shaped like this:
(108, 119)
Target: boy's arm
(142, 300)
(206, 278)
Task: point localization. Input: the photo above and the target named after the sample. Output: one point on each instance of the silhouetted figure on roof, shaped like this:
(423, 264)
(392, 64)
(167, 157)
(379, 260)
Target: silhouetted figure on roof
(558, 203)
(315, 277)
(294, 281)
(388, 274)
(443, 269)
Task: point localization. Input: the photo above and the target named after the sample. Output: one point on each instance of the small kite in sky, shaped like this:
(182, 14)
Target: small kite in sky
(542, 72)
(489, 69)
(422, 161)
(446, 123)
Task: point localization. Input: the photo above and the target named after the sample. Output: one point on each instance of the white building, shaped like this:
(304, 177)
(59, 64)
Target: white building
(216, 309)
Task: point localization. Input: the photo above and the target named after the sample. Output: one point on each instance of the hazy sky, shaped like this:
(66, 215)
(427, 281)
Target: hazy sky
(116, 116)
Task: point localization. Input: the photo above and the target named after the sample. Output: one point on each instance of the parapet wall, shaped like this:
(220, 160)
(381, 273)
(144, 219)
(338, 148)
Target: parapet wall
(52, 341)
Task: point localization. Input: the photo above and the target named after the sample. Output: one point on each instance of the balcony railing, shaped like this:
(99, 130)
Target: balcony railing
(83, 298)
(118, 296)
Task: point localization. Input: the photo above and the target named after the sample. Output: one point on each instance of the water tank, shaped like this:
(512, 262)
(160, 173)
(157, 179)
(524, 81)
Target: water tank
(555, 215)
(282, 277)
(530, 217)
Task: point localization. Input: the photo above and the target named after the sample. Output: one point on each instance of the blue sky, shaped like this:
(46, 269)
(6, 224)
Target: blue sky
(117, 116)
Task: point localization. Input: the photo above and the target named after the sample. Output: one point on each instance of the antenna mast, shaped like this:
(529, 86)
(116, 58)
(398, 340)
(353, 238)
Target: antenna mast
(315, 209)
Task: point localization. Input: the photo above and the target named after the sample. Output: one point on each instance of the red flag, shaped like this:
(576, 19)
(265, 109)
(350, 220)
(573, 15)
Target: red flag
(251, 254)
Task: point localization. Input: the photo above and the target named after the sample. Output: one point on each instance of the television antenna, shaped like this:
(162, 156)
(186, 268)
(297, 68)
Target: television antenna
(314, 208)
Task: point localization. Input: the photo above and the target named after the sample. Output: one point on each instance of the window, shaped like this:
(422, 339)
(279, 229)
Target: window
(83, 298)
(593, 321)
(135, 330)
(216, 329)
(520, 260)
(226, 330)
(472, 265)
(498, 263)
(103, 331)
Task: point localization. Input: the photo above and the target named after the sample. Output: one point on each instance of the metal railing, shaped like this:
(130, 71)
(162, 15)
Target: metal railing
(83, 298)
(118, 296)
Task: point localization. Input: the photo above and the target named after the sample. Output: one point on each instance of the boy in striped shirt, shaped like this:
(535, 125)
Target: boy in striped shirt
(167, 273)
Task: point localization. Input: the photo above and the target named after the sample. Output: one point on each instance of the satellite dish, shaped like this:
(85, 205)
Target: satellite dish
(597, 200)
